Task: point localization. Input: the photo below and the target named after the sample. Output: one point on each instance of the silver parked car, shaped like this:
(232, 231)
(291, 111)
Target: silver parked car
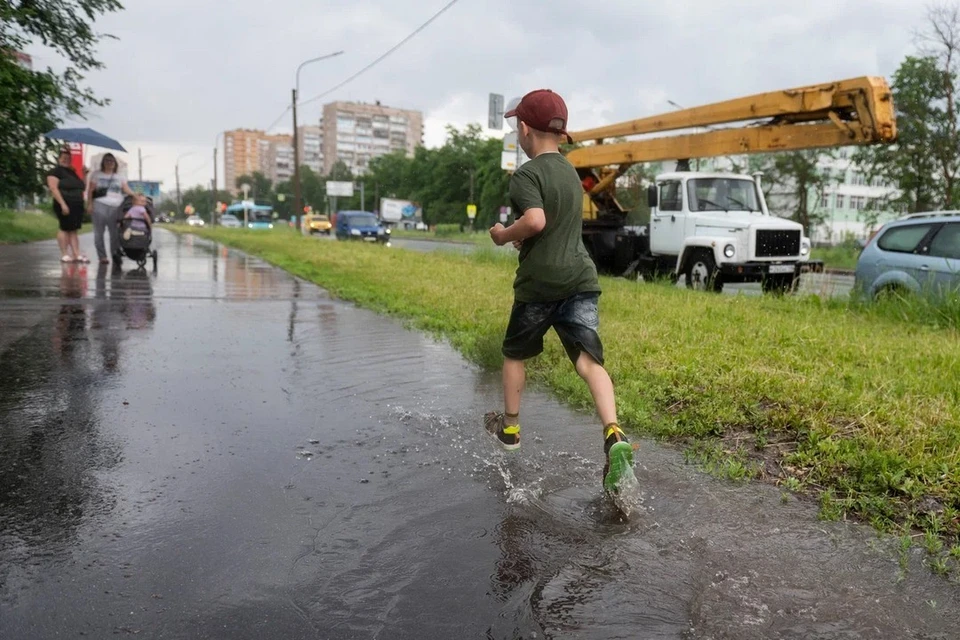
(916, 254)
(231, 221)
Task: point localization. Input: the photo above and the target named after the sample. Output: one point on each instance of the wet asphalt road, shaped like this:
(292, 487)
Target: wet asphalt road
(825, 285)
(220, 450)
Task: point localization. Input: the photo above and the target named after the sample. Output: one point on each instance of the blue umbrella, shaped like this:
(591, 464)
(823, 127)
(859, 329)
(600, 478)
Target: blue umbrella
(84, 135)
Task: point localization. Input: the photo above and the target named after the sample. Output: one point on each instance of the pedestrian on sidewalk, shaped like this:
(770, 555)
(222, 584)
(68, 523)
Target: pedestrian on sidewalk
(66, 187)
(105, 191)
(556, 284)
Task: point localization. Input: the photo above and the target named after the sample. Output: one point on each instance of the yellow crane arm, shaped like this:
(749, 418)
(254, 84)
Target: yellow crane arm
(858, 111)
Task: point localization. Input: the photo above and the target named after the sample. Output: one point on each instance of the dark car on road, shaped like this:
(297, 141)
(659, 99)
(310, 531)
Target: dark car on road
(360, 225)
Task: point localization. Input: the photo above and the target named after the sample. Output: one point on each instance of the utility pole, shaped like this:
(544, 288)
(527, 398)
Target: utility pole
(363, 200)
(297, 205)
(177, 174)
(213, 216)
(140, 164)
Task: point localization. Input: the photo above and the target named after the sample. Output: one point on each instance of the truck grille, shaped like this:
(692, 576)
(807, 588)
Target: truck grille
(777, 243)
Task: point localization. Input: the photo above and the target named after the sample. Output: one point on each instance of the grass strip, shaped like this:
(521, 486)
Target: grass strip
(859, 408)
(26, 226)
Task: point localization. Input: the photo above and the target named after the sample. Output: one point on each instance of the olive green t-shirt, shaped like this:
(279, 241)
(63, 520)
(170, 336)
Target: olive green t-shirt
(554, 264)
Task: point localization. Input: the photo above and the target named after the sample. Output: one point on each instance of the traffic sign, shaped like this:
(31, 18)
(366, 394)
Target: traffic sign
(471, 211)
(495, 117)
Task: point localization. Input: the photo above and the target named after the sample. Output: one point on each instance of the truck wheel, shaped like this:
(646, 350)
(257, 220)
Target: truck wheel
(779, 284)
(701, 272)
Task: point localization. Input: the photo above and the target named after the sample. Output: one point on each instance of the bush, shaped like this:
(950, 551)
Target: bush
(447, 230)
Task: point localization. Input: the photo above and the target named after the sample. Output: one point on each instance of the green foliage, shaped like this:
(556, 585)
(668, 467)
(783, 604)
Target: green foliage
(439, 179)
(26, 226)
(922, 135)
(34, 101)
(261, 187)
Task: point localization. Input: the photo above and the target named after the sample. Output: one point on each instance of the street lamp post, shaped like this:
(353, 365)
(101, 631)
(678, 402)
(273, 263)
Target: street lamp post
(140, 159)
(176, 171)
(677, 106)
(297, 204)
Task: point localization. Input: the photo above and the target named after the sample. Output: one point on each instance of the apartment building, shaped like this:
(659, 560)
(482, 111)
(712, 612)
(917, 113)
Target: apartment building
(276, 157)
(357, 132)
(241, 155)
(310, 147)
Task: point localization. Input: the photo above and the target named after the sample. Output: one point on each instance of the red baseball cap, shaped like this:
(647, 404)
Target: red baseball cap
(540, 109)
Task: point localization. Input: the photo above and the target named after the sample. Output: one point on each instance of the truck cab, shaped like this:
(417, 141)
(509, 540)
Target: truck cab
(714, 228)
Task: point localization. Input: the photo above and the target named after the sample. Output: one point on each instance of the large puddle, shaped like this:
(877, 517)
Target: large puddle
(221, 451)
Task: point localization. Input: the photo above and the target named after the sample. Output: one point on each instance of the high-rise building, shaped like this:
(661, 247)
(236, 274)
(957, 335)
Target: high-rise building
(249, 150)
(276, 157)
(242, 149)
(355, 133)
(310, 143)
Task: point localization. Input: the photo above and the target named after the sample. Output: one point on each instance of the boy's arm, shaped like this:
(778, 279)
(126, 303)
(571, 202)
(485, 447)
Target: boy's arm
(529, 224)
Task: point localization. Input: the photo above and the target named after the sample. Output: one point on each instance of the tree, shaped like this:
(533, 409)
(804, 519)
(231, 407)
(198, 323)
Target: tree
(203, 199)
(261, 187)
(941, 41)
(915, 163)
(33, 102)
(924, 163)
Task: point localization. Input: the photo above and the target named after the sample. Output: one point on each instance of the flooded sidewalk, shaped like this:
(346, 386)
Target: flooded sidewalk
(220, 450)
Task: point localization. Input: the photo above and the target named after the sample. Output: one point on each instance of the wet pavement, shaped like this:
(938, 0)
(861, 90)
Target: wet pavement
(220, 450)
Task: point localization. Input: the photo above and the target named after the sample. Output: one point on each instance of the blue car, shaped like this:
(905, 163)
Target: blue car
(918, 254)
(361, 225)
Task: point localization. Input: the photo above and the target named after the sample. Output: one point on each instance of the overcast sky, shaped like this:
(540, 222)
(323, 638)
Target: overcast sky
(182, 71)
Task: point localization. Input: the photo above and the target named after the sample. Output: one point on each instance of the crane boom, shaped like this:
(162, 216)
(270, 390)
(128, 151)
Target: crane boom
(857, 111)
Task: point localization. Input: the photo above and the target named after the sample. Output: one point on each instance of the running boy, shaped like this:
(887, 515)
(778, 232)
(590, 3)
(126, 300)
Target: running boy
(556, 283)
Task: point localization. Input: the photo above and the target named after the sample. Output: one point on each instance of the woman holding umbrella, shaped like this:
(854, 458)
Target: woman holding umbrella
(67, 190)
(105, 191)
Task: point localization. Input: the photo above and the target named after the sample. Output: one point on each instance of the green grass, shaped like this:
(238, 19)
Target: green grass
(859, 407)
(839, 257)
(479, 238)
(16, 226)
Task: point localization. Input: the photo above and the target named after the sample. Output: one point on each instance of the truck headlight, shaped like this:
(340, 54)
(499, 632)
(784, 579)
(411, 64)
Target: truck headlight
(805, 247)
(729, 251)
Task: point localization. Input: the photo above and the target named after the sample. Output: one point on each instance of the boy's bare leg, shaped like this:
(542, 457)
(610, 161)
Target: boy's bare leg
(601, 387)
(514, 379)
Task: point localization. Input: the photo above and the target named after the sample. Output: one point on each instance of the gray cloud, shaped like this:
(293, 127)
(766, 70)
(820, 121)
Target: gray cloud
(184, 70)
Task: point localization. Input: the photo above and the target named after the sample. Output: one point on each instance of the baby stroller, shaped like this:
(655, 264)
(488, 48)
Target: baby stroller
(134, 241)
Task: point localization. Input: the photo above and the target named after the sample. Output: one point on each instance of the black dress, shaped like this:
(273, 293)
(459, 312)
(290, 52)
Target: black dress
(71, 188)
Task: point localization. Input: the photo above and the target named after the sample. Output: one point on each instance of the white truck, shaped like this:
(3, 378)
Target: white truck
(715, 228)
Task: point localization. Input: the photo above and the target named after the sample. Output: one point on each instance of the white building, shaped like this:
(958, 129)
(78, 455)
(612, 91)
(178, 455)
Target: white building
(849, 201)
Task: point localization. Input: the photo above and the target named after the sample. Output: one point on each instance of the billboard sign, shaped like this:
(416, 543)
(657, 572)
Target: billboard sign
(149, 188)
(344, 189)
(392, 210)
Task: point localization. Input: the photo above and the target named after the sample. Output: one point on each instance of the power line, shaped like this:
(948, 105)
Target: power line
(369, 66)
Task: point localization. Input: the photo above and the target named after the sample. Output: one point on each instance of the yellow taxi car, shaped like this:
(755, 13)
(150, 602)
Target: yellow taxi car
(317, 223)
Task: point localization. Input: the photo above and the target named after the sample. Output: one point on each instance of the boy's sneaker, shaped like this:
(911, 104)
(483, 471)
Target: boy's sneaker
(619, 454)
(507, 436)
